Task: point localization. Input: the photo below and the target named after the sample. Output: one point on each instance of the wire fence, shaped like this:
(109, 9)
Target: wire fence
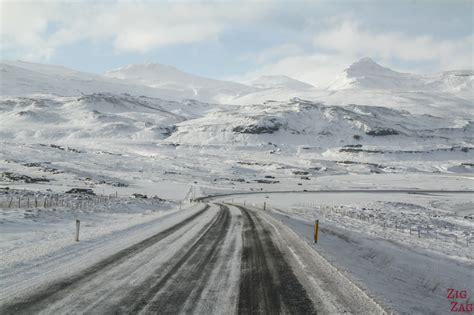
(38, 200)
(413, 225)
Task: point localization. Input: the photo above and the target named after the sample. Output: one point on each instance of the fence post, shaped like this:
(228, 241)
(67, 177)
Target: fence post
(419, 235)
(78, 223)
(28, 202)
(264, 205)
(316, 228)
(19, 199)
(10, 204)
(36, 202)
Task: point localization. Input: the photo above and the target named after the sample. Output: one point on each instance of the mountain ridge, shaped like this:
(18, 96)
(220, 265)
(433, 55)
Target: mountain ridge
(364, 82)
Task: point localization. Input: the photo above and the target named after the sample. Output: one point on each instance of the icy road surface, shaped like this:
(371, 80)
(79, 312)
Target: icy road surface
(216, 259)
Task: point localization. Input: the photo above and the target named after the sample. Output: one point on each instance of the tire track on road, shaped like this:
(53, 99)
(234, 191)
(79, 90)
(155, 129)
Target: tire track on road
(268, 284)
(182, 284)
(55, 291)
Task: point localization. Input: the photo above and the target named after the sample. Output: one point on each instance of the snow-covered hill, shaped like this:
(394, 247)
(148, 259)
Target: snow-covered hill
(279, 82)
(365, 82)
(366, 74)
(18, 78)
(300, 122)
(93, 117)
(161, 76)
(334, 139)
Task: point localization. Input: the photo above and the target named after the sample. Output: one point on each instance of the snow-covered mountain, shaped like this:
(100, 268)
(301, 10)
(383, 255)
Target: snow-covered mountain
(19, 78)
(94, 117)
(279, 82)
(364, 82)
(367, 74)
(300, 122)
(161, 76)
(299, 129)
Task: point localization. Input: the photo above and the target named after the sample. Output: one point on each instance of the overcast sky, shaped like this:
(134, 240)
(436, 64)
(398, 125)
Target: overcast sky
(312, 41)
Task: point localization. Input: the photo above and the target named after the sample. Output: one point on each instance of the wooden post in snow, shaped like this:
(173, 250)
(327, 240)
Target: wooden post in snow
(316, 228)
(264, 205)
(78, 224)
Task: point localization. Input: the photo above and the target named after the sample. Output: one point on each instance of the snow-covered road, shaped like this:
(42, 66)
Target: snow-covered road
(213, 259)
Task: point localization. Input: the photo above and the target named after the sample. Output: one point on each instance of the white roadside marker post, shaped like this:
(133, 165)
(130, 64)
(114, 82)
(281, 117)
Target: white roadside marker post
(78, 224)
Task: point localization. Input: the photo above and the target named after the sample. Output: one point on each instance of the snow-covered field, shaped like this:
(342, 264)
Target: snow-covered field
(154, 130)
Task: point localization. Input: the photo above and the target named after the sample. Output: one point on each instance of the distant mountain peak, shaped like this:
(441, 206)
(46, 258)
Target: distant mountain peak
(366, 66)
(367, 74)
(278, 81)
(156, 75)
(143, 71)
(366, 60)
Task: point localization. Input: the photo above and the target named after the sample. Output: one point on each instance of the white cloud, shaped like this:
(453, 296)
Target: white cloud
(349, 38)
(38, 29)
(273, 53)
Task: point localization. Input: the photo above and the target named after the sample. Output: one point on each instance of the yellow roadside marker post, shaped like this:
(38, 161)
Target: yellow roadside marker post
(316, 223)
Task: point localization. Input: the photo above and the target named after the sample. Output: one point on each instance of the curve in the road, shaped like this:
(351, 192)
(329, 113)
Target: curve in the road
(335, 191)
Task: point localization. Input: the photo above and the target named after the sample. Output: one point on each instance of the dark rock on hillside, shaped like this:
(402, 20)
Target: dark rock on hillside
(256, 129)
(12, 177)
(266, 181)
(84, 191)
(382, 132)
